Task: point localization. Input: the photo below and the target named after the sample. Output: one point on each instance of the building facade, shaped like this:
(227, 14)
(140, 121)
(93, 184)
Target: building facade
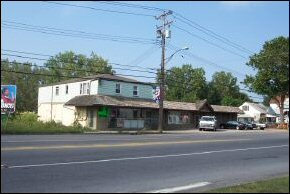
(108, 102)
(256, 112)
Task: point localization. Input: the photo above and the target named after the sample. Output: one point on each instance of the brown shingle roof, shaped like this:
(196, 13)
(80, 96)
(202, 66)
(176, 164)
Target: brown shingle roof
(229, 109)
(93, 100)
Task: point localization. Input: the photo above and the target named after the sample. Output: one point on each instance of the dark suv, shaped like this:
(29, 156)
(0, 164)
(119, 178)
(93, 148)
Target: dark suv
(233, 125)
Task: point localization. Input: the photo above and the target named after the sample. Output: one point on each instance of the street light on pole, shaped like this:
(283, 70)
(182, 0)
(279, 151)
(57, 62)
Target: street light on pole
(162, 75)
(171, 56)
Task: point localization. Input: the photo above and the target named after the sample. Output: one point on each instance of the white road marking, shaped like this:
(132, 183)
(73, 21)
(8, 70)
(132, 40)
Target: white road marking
(145, 157)
(183, 188)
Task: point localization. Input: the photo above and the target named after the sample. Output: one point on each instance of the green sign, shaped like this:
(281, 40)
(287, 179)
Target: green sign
(103, 112)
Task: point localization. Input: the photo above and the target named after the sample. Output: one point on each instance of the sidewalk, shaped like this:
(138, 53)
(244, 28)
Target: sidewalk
(190, 131)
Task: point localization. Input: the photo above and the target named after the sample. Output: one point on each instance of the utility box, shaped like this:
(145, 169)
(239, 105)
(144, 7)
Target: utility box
(168, 33)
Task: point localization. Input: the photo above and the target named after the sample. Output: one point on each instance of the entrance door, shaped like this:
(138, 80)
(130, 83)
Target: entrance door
(92, 119)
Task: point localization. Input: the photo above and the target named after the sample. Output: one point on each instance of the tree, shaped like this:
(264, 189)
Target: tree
(185, 84)
(27, 85)
(69, 64)
(30, 77)
(272, 77)
(223, 90)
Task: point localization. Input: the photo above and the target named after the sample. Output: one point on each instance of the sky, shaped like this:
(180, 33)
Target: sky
(248, 24)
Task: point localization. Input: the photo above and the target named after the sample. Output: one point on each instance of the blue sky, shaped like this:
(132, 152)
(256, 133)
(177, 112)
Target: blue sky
(249, 24)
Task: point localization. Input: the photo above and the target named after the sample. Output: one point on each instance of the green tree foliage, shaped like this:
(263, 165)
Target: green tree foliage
(185, 84)
(64, 64)
(69, 64)
(223, 90)
(27, 85)
(272, 77)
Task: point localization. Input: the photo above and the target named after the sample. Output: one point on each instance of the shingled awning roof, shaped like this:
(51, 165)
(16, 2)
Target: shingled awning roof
(94, 100)
(228, 109)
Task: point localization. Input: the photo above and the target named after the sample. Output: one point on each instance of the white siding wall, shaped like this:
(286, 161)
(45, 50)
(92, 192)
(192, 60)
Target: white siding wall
(47, 100)
(252, 111)
(45, 93)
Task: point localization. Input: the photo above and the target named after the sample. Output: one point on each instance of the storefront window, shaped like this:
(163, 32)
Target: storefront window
(179, 118)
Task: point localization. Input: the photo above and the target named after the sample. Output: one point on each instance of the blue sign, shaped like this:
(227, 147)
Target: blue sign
(8, 98)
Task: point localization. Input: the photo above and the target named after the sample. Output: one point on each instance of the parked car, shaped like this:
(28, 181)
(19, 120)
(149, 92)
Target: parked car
(260, 126)
(249, 125)
(233, 125)
(207, 122)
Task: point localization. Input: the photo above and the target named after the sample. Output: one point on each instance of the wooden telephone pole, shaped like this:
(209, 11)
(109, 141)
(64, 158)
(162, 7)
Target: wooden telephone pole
(163, 32)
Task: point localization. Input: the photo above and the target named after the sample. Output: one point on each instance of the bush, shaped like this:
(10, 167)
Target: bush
(27, 123)
(283, 126)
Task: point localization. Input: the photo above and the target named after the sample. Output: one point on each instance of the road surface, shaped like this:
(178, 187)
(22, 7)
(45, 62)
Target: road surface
(141, 163)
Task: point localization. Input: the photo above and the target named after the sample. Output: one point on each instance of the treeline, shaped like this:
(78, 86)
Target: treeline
(189, 84)
(29, 77)
(183, 83)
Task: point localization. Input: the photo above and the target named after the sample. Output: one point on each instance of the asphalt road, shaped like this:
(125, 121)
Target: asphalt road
(145, 163)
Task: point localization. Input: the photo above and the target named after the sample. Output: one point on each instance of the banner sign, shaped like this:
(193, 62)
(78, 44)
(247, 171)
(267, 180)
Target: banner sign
(104, 112)
(156, 94)
(8, 98)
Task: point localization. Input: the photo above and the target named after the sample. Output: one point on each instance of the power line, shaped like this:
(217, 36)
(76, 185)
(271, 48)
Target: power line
(41, 54)
(77, 31)
(212, 34)
(207, 62)
(75, 34)
(98, 9)
(130, 5)
(187, 21)
(144, 55)
(209, 42)
(41, 59)
(60, 68)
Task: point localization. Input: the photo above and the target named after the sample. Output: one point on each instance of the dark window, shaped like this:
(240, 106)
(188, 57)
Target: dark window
(135, 113)
(135, 90)
(81, 88)
(118, 88)
(57, 91)
(66, 89)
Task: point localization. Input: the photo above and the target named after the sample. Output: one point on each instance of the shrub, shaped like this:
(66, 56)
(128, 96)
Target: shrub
(27, 123)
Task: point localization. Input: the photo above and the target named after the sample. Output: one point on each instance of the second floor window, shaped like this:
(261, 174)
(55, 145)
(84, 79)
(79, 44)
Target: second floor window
(84, 88)
(118, 88)
(66, 89)
(56, 90)
(245, 108)
(135, 90)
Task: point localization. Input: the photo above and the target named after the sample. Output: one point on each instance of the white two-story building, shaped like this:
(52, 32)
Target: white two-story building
(256, 112)
(112, 102)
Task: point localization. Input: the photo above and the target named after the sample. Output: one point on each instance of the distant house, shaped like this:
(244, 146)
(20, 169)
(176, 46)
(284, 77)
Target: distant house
(109, 102)
(256, 112)
(275, 107)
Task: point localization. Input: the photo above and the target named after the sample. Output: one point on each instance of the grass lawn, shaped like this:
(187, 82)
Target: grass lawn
(277, 185)
(27, 123)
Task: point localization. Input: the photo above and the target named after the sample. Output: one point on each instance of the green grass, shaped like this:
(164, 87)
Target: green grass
(277, 185)
(26, 123)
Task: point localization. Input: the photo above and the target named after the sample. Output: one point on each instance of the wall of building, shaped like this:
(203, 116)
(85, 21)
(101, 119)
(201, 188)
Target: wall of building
(56, 112)
(254, 113)
(48, 93)
(109, 88)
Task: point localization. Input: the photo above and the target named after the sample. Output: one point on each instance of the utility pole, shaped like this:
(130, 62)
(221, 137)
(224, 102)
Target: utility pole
(163, 32)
